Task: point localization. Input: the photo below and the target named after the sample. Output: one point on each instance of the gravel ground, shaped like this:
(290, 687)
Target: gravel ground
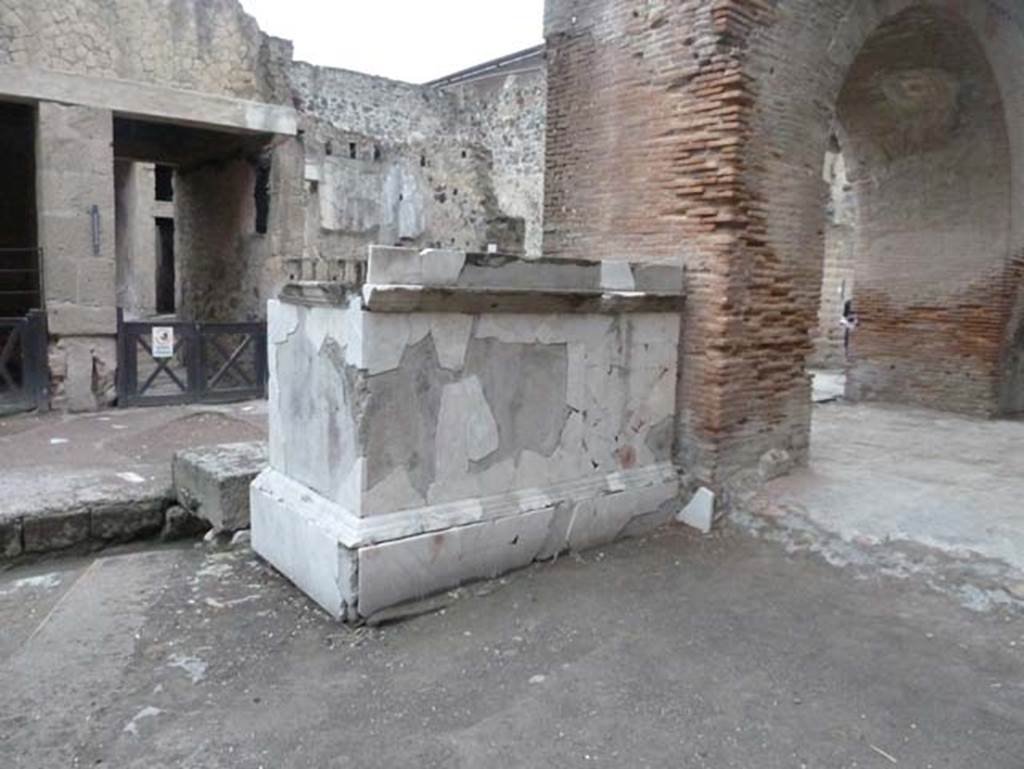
(671, 651)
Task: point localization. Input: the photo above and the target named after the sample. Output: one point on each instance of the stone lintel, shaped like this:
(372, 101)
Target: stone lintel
(128, 98)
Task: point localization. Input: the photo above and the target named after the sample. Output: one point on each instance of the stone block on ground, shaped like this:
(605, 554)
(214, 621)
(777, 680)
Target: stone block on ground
(213, 482)
(700, 512)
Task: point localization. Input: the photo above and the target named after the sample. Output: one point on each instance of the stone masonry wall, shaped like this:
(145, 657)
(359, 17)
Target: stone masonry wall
(211, 46)
(75, 178)
(695, 132)
(377, 161)
(227, 269)
(208, 46)
(422, 175)
(397, 163)
(507, 113)
(215, 214)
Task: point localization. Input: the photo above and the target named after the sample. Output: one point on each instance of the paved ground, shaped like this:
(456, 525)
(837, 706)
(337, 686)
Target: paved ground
(57, 462)
(733, 650)
(882, 475)
(675, 651)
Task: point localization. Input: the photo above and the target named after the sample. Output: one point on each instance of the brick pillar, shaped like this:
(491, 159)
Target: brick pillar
(648, 129)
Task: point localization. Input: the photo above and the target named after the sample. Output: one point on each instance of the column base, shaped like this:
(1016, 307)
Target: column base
(354, 567)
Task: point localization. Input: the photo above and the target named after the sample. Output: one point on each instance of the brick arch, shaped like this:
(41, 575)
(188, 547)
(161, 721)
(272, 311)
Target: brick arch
(803, 64)
(695, 132)
(928, 162)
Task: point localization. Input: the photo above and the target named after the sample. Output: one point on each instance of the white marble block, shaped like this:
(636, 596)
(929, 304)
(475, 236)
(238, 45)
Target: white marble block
(454, 419)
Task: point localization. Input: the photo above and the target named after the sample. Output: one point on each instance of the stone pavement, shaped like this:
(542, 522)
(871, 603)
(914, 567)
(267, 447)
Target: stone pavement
(674, 651)
(907, 485)
(65, 479)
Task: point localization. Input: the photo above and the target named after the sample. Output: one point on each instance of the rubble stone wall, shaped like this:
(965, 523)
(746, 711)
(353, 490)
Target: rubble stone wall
(507, 114)
(395, 163)
(210, 46)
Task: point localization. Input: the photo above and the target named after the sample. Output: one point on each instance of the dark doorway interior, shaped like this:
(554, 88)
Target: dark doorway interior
(165, 304)
(164, 176)
(210, 177)
(19, 261)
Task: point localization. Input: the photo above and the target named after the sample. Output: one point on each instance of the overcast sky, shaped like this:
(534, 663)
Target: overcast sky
(413, 40)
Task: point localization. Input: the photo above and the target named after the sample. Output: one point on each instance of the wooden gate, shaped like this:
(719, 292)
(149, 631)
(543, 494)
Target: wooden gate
(24, 378)
(168, 362)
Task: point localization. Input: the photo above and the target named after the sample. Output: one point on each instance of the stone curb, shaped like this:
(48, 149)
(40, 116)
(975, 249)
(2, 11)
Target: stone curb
(95, 523)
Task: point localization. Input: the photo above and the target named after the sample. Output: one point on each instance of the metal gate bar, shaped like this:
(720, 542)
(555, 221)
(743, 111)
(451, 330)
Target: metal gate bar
(24, 377)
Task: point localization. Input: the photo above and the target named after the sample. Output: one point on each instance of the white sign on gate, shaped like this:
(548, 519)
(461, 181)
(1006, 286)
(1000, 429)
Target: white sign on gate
(163, 341)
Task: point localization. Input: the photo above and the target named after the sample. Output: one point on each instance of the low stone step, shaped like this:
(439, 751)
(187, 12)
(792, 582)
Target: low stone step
(102, 518)
(213, 481)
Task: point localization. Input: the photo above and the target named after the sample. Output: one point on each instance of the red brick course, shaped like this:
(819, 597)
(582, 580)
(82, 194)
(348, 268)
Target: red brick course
(695, 131)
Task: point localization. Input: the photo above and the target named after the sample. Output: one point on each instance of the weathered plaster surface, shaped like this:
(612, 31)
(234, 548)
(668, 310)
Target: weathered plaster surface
(569, 394)
(555, 429)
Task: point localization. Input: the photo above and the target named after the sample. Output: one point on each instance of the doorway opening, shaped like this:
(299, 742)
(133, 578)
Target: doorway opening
(19, 255)
(918, 223)
(23, 359)
(917, 229)
(190, 205)
(165, 285)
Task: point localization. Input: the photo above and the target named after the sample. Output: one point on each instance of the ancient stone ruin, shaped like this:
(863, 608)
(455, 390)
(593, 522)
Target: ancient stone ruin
(459, 415)
(170, 160)
(601, 269)
(723, 114)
